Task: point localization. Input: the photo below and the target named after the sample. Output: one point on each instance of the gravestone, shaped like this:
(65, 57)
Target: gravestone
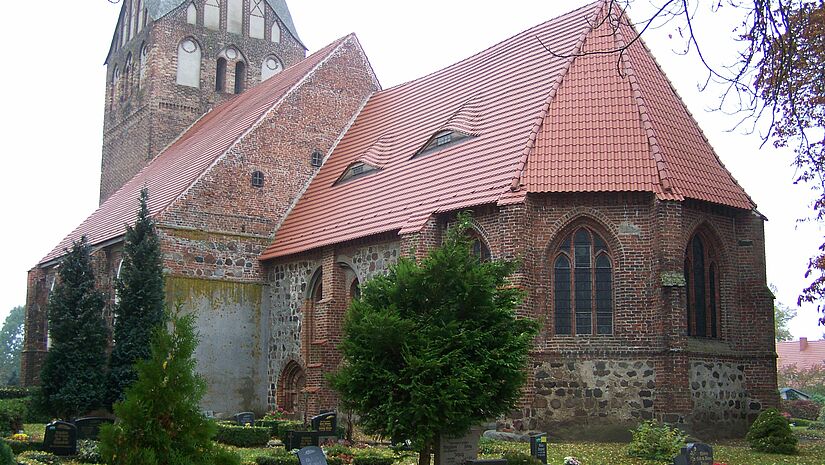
(89, 427)
(325, 423)
(312, 455)
(61, 438)
(301, 439)
(538, 446)
(245, 418)
(457, 451)
(695, 453)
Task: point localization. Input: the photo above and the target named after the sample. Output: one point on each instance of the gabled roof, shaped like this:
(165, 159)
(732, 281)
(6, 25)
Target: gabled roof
(499, 92)
(160, 8)
(542, 122)
(802, 353)
(169, 175)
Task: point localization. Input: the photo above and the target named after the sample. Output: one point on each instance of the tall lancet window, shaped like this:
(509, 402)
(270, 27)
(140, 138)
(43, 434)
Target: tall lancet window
(189, 63)
(212, 14)
(276, 32)
(702, 283)
(257, 21)
(234, 16)
(192, 14)
(240, 77)
(144, 58)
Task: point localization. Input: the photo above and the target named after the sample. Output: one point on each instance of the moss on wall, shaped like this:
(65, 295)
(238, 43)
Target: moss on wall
(218, 292)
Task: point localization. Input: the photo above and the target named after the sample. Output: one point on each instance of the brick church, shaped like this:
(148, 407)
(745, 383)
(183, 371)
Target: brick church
(279, 182)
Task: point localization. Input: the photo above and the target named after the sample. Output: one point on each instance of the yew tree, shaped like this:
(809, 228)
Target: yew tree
(435, 348)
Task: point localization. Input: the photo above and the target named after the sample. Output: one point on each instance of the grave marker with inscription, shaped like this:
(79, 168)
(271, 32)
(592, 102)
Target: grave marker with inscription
(311, 455)
(456, 451)
(695, 453)
(538, 446)
(301, 439)
(325, 423)
(245, 418)
(61, 438)
(89, 427)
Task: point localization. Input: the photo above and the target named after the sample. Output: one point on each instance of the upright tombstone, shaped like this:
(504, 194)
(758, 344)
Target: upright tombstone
(89, 427)
(325, 424)
(457, 451)
(61, 438)
(312, 455)
(245, 418)
(695, 453)
(538, 446)
(301, 440)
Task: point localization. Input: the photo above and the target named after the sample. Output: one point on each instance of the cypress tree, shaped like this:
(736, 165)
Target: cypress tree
(140, 307)
(74, 373)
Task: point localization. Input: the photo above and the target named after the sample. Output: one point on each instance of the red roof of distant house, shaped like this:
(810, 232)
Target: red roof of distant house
(538, 123)
(180, 165)
(802, 353)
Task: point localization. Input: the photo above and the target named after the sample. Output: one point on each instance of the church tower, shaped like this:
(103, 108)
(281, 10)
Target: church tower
(170, 61)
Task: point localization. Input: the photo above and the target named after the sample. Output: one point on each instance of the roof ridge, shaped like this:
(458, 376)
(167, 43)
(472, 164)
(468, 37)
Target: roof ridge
(254, 125)
(539, 122)
(647, 124)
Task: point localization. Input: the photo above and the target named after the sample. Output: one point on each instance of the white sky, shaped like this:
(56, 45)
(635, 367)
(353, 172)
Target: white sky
(51, 116)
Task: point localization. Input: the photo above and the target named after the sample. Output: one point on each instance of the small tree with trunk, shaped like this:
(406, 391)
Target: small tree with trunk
(434, 348)
(140, 305)
(74, 373)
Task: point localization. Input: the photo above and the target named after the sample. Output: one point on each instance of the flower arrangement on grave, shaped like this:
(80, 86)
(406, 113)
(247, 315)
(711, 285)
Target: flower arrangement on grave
(571, 461)
(20, 437)
(275, 414)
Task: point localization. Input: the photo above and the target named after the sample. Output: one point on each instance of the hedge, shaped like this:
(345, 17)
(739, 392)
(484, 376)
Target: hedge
(242, 436)
(18, 447)
(15, 392)
(12, 413)
(805, 409)
(277, 460)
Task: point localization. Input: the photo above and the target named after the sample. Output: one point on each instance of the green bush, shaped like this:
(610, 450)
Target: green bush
(87, 451)
(278, 457)
(14, 392)
(38, 458)
(372, 460)
(772, 433)
(520, 458)
(655, 441)
(242, 436)
(12, 413)
(289, 425)
(273, 426)
(6, 455)
(821, 417)
(805, 409)
(800, 422)
(22, 446)
(819, 399)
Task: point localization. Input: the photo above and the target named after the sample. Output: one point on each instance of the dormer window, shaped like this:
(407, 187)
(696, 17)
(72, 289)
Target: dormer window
(356, 170)
(442, 139)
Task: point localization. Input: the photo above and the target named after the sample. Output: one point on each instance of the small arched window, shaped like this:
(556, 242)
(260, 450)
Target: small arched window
(271, 66)
(583, 285)
(257, 21)
(212, 14)
(234, 16)
(702, 284)
(127, 78)
(276, 32)
(240, 77)
(115, 83)
(192, 14)
(220, 75)
(257, 179)
(480, 248)
(189, 63)
(291, 384)
(144, 58)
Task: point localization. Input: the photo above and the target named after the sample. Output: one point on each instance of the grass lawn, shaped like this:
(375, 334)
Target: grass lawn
(732, 452)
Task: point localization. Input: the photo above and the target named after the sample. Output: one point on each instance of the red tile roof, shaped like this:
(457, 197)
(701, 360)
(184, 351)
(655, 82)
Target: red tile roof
(803, 354)
(498, 95)
(181, 164)
(542, 123)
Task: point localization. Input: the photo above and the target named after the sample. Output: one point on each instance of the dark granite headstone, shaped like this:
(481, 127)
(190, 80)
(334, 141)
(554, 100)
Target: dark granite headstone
(61, 438)
(695, 453)
(245, 418)
(89, 427)
(301, 439)
(325, 423)
(311, 455)
(538, 446)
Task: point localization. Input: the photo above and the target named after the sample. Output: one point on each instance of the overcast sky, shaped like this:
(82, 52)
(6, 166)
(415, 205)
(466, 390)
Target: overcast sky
(52, 112)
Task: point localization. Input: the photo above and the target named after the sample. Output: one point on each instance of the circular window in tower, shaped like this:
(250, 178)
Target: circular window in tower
(257, 179)
(189, 46)
(231, 53)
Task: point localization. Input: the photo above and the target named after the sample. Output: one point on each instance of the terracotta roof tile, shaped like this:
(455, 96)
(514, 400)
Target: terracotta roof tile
(803, 354)
(181, 164)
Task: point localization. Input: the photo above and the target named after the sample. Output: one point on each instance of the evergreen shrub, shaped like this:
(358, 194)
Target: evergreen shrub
(520, 458)
(38, 458)
(242, 436)
(18, 447)
(821, 417)
(6, 455)
(289, 459)
(655, 441)
(14, 392)
(12, 413)
(87, 451)
(772, 433)
(805, 409)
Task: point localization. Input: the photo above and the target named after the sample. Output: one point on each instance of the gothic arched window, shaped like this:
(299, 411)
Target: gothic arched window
(144, 58)
(127, 78)
(583, 285)
(702, 287)
(257, 20)
(234, 16)
(290, 386)
(189, 63)
(276, 32)
(192, 14)
(212, 14)
(240, 77)
(220, 75)
(271, 66)
(480, 248)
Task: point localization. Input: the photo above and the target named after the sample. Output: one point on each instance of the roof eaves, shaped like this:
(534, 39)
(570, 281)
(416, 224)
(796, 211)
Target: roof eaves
(257, 123)
(515, 184)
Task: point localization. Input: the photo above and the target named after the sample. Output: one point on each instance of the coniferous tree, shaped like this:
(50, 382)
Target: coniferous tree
(140, 305)
(11, 343)
(160, 422)
(73, 377)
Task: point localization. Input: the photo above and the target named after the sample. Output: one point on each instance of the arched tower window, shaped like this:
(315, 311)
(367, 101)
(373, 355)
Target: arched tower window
(115, 83)
(220, 75)
(583, 285)
(212, 14)
(271, 66)
(192, 14)
(702, 285)
(142, 18)
(144, 58)
(240, 77)
(290, 385)
(480, 248)
(257, 21)
(234, 16)
(127, 78)
(189, 63)
(276, 32)
(137, 15)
